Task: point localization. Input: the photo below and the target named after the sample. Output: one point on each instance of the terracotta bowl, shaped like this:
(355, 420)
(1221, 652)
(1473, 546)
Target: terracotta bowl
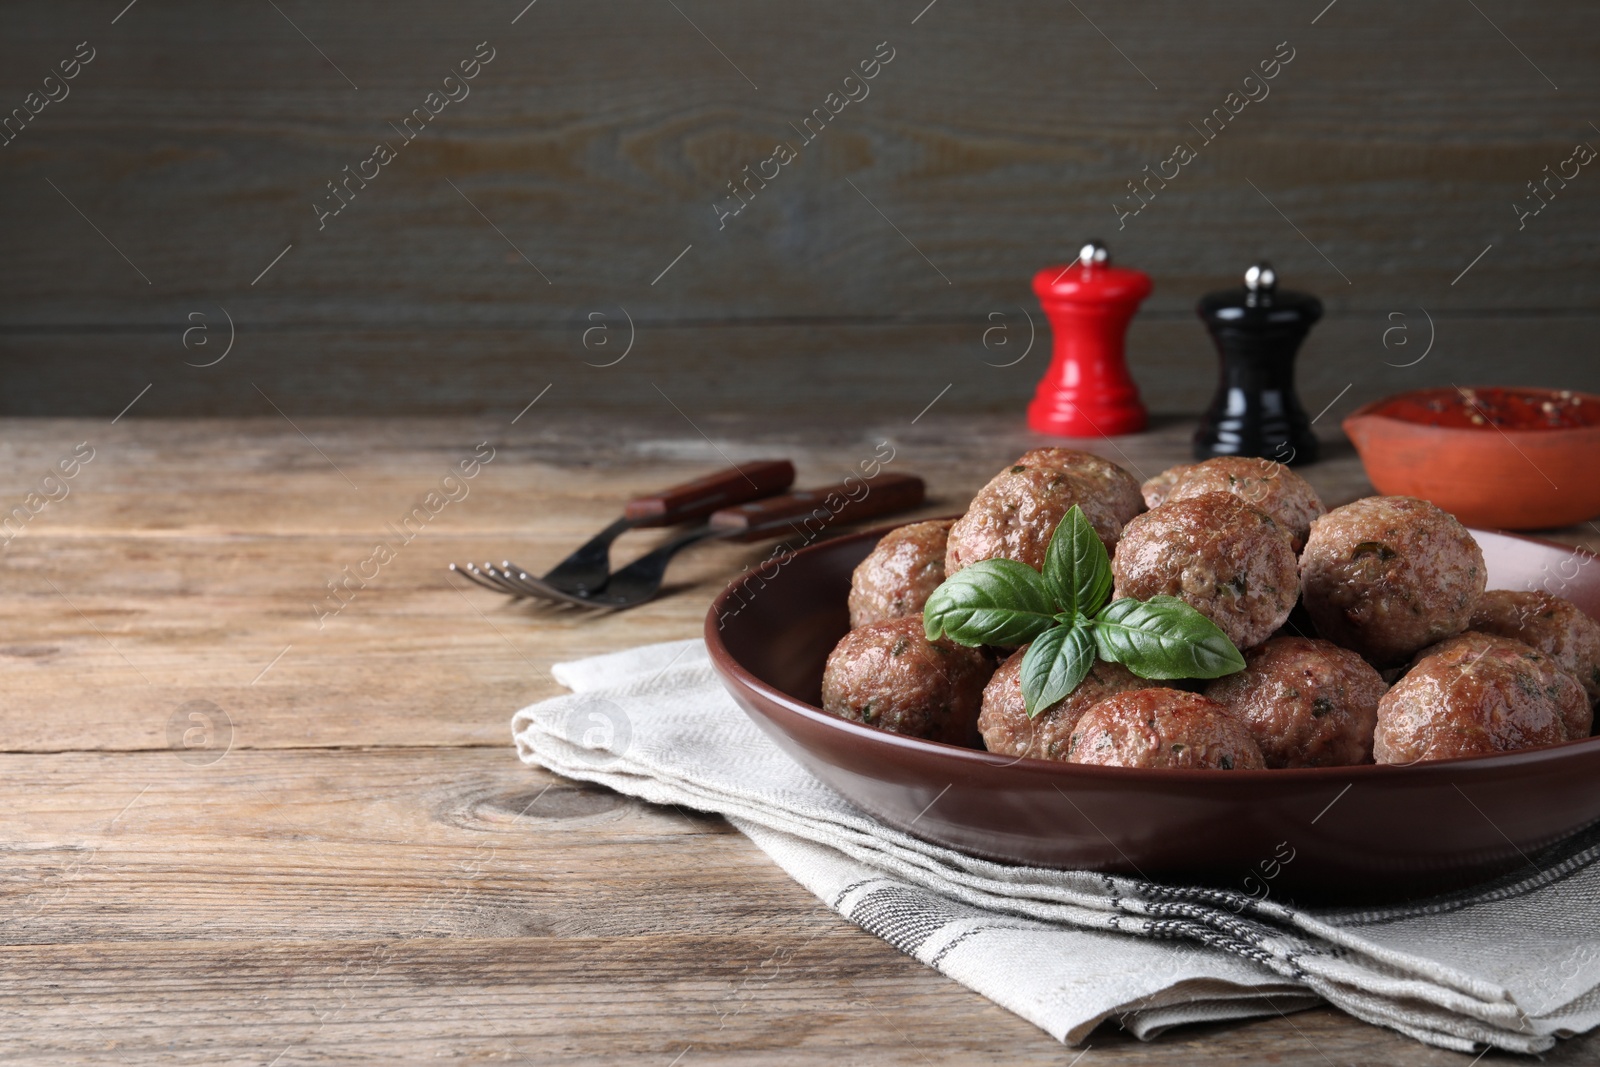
(1358, 833)
(1512, 479)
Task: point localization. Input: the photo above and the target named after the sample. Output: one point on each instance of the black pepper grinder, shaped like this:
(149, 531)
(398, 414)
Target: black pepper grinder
(1257, 330)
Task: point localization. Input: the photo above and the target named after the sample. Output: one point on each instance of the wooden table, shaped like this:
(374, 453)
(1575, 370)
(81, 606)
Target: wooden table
(352, 865)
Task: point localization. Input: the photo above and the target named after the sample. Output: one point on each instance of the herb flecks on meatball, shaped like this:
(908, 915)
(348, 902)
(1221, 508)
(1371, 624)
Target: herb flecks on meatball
(1261, 483)
(1114, 487)
(1004, 720)
(899, 575)
(1388, 575)
(1163, 728)
(1307, 703)
(1478, 694)
(1014, 516)
(1229, 561)
(1554, 626)
(889, 675)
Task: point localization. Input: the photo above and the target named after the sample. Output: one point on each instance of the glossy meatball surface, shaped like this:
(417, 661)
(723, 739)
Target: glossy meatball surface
(1165, 728)
(1551, 624)
(1156, 490)
(1388, 575)
(1477, 694)
(1114, 487)
(889, 675)
(1270, 486)
(1015, 515)
(898, 576)
(1473, 648)
(1229, 561)
(1004, 720)
(1307, 703)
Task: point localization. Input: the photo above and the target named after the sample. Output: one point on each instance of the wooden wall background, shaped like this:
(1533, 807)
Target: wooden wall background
(597, 140)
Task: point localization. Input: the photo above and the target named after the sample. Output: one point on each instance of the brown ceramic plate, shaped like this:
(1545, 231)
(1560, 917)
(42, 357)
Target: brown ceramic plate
(1362, 833)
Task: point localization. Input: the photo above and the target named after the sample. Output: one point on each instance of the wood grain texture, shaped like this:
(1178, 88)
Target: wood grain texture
(1386, 158)
(407, 905)
(189, 555)
(365, 873)
(600, 137)
(793, 374)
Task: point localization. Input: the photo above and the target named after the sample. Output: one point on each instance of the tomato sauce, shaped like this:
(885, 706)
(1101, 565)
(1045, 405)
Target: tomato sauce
(1494, 407)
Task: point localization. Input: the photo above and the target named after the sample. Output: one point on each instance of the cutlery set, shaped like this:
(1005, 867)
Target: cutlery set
(742, 504)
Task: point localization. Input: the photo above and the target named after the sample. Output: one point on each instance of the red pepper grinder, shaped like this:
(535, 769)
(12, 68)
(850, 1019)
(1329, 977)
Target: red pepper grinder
(1087, 392)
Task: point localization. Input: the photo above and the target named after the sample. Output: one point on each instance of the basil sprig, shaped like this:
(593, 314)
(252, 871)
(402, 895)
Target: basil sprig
(1064, 613)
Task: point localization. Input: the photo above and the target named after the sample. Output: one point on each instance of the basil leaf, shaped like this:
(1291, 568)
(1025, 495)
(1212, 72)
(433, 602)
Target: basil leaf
(992, 602)
(1164, 638)
(1076, 567)
(1055, 663)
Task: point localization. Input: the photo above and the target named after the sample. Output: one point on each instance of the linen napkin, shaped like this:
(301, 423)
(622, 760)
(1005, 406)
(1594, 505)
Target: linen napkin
(1512, 964)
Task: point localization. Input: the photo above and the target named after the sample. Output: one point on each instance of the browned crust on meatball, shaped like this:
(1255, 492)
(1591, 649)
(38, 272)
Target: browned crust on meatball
(1307, 703)
(1163, 728)
(1553, 625)
(1227, 560)
(898, 576)
(1576, 716)
(1261, 483)
(889, 675)
(1004, 721)
(1015, 515)
(1478, 694)
(1388, 575)
(1156, 490)
(1114, 487)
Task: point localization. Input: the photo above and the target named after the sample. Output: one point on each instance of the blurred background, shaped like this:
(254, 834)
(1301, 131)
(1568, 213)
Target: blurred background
(174, 195)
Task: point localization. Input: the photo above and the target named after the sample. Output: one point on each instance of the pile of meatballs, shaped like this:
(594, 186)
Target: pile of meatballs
(1399, 655)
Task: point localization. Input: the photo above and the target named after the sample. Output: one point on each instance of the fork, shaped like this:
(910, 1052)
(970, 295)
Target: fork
(804, 514)
(587, 569)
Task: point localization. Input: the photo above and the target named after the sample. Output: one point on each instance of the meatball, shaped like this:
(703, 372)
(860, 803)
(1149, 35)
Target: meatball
(1114, 487)
(1004, 720)
(897, 578)
(1552, 625)
(1157, 489)
(1307, 703)
(889, 675)
(1388, 575)
(1476, 694)
(1163, 728)
(1577, 717)
(1227, 560)
(1272, 487)
(1015, 515)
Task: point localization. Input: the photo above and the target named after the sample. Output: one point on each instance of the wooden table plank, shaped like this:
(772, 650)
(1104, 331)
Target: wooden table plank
(403, 904)
(733, 1001)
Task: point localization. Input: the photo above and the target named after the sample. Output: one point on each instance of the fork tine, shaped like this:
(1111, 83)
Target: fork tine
(502, 581)
(531, 590)
(531, 586)
(518, 578)
(510, 584)
(470, 573)
(518, 584)
(495, 579)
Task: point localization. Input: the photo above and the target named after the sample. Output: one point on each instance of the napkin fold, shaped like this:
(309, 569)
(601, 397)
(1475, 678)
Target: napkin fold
(1512, 964)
